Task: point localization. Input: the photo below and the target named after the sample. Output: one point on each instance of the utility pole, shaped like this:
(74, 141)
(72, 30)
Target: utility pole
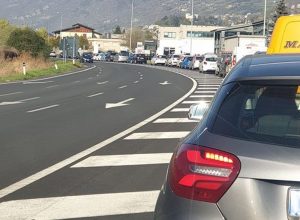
(192, 23)
(131, 22)
(265, 18)
(74, 38)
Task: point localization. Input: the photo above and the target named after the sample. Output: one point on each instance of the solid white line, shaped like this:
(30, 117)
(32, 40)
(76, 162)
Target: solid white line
(122, 87)
(30, 99)
(97, 94)
(43, 173)
(209, 89)
(180, 110)
(13, 93)
(49, 87)
(208, 84)
(201, 96)
(173, 120)
(44, 108)
(205, 92)
(82, 206)
(124, 160)
(195, 102)
(158, 135)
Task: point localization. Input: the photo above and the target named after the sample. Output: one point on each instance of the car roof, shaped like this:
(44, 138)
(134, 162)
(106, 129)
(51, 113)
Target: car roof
(266, 67)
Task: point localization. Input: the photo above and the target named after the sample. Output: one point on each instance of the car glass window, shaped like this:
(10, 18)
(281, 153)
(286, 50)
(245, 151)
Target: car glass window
(211, 59)
(269, 114)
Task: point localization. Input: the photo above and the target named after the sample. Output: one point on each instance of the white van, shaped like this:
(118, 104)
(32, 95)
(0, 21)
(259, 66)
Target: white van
(209, 63)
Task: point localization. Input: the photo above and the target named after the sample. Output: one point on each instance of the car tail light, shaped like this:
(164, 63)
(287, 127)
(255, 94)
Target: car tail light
(205, 63)
(201, 173)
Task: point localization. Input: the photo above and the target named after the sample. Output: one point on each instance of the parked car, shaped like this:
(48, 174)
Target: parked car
(173, 60)
(52, 54)
(87, 57)
(223, 63)
(186, 62)
(121, 57)
(159, 60)
(242, 160)
(179, 62)
(208, 64)
(99, 57)
(194, 64)
(110, 56)
(139, 58)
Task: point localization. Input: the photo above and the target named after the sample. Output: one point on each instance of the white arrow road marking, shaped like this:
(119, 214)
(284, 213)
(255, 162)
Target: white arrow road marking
(101, 83)
(124, 160)
(82, 206)
(97, 94)
(165, 83)
(17, 102)
(118, 104)
(13, 93)
(10, 103)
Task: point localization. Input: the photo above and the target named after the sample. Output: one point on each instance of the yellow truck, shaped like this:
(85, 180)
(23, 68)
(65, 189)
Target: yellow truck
(286, 36)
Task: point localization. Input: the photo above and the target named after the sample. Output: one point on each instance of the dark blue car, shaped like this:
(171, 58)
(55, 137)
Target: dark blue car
(87, 58)
(186, 62)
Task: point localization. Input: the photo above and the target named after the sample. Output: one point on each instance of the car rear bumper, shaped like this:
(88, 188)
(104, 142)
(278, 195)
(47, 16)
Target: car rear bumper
(169, 206)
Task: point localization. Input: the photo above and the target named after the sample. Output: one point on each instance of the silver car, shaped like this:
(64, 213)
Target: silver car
(121, 57)
(242, 161)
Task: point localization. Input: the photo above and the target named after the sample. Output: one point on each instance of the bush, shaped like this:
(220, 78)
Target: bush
(26, 40)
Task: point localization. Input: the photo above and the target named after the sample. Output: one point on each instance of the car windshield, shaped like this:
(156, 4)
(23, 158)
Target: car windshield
(124, 53)
(262, 113)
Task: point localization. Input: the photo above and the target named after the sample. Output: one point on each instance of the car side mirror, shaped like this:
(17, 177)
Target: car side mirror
(197, 111)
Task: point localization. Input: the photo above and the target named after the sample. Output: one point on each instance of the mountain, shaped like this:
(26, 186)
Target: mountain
(103, 15)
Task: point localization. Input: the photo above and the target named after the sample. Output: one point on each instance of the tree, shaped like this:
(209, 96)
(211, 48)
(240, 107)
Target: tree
(5, 30)
(83, 43)
(26, 40)
(280, 10)
(117, 30)
(137, 36)
(54, 42)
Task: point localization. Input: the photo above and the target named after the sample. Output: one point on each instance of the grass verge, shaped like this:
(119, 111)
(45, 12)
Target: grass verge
(42, 72)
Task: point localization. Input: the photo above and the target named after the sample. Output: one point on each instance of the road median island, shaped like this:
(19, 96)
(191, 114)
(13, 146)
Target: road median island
(26, 69)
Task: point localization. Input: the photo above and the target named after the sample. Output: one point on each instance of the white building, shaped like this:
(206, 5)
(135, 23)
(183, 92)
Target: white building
(186, 39)
(78, 30)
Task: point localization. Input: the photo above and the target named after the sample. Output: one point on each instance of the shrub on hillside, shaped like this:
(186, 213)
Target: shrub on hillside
(26, 40)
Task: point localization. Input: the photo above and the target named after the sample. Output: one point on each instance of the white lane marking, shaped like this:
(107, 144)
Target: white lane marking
(136, 82)
(49, 87)
(90, 78)
(37, 82)
(124, 160)
(180, 110)
(158, 135)
(41, 109)
(76, 82)
(141, 78)
(82, 206)
(195, 102)
(201, 96)
(43, 173)
(208, 84)
(118, 104)
(101, 83)
(122, 87)
(205, 86)
(205, 92)
(97, 94)
(208, 89)
(10, 103)
(30, 99)
(13, 93)
(173, 120)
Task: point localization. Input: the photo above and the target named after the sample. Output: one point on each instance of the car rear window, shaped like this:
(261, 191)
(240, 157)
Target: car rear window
(260, 113)
(211, 59)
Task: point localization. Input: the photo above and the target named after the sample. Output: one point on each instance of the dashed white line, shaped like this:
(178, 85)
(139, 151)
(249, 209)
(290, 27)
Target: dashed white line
(97, 94)
(49, 87)
(44, 108)
(201, 96)
(30, 99)
(82, 206)
(205, 92)
(101, 83)
(136, 82)
(13, 93)
(124, 160)
(122, 87)
(180, 110)
(158, 135)
(173, 120)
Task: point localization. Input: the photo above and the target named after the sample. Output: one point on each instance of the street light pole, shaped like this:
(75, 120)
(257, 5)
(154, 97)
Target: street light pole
(265, 18)
(192, 23)
(131, 22)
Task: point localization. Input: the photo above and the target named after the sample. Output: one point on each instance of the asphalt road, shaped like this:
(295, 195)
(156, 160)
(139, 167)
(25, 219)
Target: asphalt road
(93, 144)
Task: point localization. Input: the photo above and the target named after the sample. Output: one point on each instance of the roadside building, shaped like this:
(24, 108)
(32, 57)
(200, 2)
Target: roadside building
(186, 39)
(113, 42)
(225, 39)
(78, 30)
